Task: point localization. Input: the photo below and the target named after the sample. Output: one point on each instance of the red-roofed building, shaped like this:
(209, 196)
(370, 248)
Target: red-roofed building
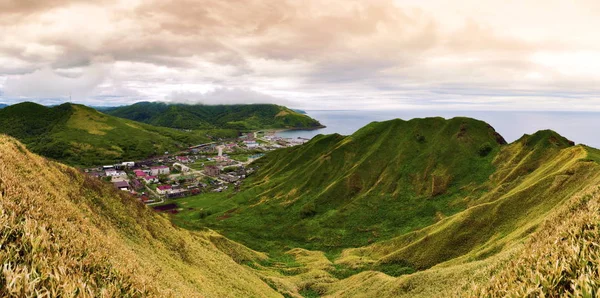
(183, 159)
(163, 189)
(140, 174)
(150, 179)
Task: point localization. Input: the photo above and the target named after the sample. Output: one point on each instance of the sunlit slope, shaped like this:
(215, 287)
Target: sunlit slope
(387, 179)
(559, 258)
(64, 234)
(534, 175)
(498, 196)
(80, 135)
(239, 117)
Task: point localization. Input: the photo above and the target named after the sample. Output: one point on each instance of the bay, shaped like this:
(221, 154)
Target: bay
(580, 127)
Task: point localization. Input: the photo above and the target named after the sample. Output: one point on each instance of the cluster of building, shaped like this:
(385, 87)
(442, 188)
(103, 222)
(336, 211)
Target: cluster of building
(202, 168)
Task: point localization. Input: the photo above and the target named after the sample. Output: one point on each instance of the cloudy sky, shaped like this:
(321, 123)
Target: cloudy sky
(312, 54)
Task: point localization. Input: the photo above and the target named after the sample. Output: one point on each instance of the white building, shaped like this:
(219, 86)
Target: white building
(129, 164)
(251, 144)
(160, 170)
(115, 173)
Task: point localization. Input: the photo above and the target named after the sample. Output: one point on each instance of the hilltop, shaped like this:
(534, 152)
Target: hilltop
(420, 200)
(386, 179)
(79, 135)
(238, 117)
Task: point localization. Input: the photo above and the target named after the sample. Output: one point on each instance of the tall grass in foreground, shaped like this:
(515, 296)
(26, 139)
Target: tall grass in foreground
(562, 260)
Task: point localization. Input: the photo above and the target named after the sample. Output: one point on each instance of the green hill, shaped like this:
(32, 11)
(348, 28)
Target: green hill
(454, 212)
(79, 135)
(408, 207)
(387, 179)
(239, 117)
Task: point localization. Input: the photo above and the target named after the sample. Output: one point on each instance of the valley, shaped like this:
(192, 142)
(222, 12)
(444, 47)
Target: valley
(398, 209)
(399, 197)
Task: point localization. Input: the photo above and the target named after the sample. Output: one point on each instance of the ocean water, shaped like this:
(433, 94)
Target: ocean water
(580, 127)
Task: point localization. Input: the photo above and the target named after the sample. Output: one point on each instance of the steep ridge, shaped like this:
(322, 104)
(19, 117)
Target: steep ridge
(387, 179)
(550, 173)
(79, 135)
(238, 117)
(498, 196)
(64, 234)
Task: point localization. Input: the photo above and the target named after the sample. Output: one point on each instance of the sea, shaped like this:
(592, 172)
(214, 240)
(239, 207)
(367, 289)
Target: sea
(580, 127)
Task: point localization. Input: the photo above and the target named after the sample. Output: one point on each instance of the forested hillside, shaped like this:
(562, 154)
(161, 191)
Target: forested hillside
(239, 117)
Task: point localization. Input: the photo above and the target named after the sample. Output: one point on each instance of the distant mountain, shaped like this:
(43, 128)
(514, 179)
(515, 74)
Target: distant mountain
(65, 233)
(80, 135)
(3, 105)
(239, 117)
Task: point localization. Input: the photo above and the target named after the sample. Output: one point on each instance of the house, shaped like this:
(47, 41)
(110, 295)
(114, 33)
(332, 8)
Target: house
(160, 170)
(229, 178)
(122, 185)
(150, 179)
(136, 184)
(213, 171)
(140, 174)
(163, 189)
(128, 164)
(183, 159)
(251, 144)
(115, 173)
(176, 193)
(181, 167)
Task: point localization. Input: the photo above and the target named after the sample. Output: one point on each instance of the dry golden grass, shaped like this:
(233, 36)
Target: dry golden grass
(561, 260)
(66, 235)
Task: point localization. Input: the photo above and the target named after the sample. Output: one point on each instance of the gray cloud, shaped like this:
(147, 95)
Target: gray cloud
(310, 53)
(227, 96)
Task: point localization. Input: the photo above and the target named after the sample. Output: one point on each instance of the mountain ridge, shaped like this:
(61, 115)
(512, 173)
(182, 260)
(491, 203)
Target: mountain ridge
(534, 199)
(197, 116)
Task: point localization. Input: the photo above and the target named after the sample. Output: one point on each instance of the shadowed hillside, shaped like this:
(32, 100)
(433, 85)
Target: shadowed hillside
(79, 135)
(238, 117)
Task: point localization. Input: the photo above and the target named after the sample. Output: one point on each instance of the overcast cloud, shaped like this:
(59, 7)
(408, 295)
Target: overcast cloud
(315, 54)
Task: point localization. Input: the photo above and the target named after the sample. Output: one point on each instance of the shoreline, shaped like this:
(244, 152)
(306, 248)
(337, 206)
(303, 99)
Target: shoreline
(276, 130)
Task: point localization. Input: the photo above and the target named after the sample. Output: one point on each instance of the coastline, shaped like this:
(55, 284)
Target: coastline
(276, 130)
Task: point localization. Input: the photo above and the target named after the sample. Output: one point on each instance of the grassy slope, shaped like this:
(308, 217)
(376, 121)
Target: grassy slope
(387, 179)
(504, 198)
(239, 117)
(63, 233)
(79, 135)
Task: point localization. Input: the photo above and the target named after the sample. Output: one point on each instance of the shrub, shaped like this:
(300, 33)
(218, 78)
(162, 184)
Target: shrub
(308, 210)
(485, 149)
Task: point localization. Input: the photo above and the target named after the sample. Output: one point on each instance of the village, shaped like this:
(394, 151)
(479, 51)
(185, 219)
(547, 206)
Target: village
(210, 167)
